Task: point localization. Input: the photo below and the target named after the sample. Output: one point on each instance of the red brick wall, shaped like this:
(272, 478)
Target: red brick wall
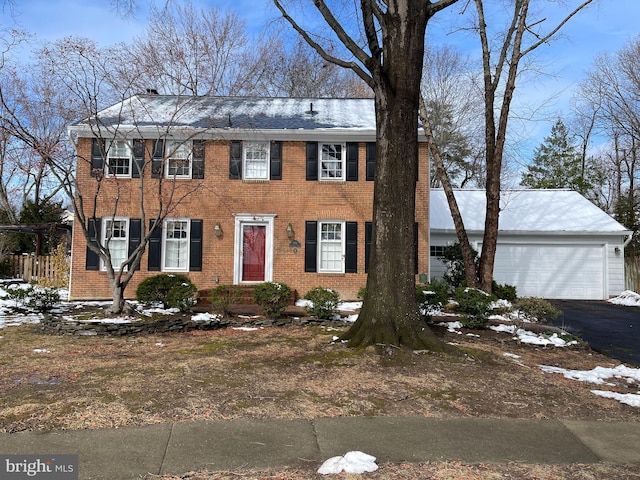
(293, 199)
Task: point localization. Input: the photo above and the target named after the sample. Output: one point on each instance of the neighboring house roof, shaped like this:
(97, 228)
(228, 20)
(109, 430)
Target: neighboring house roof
(151, 113)
(525, 211)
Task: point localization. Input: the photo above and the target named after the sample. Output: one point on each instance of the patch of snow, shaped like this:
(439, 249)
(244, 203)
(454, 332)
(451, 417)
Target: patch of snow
(351, 318)
(350, 306)
(632, 399)
(206, 317)
(627, 298)
(41, 350)
(114, 320)
(246, 329)
(304, 303)
(351, 462)
(511, 355)
(598, 375)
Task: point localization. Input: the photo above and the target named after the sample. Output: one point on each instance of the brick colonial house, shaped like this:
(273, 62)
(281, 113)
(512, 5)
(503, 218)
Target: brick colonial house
(275, 189)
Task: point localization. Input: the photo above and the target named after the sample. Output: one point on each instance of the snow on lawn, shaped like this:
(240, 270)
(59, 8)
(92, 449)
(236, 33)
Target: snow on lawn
(628, 298)
(600, 375)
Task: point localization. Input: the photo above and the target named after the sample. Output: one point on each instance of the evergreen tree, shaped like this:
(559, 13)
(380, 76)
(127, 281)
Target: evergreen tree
(557, 163)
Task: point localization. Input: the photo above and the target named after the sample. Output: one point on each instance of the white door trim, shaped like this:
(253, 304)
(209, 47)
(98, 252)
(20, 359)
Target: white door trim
(242, 219)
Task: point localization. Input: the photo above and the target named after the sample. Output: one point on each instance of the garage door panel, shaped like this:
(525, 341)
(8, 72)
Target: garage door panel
(551, 271)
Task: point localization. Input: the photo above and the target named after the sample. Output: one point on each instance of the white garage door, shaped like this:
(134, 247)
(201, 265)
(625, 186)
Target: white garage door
(552, 271)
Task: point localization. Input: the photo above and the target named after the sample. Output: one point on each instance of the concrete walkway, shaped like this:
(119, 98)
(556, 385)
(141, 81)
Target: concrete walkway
(177, 448)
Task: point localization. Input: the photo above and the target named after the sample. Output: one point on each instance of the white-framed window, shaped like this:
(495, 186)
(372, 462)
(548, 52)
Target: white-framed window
(175, 248)
(255, 158)
(115, 237)
(179, 159)
(119, 159)
(332, 161)
(331, 251)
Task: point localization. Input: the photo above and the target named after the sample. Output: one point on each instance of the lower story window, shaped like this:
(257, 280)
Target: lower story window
(331, 251)
(176, 245)
(436, 250)
(115, 239)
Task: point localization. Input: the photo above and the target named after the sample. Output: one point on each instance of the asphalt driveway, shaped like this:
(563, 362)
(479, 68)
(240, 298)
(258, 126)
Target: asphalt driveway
(613, 330)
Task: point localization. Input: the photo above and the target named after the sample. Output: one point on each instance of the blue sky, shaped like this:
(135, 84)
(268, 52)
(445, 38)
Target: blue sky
(606, 26)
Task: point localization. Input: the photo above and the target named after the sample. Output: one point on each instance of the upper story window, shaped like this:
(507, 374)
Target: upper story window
(116, 239)
(332, 161)
(178, 159)
(119, 159)
(255, 160)
(255, 156)
(176, 245)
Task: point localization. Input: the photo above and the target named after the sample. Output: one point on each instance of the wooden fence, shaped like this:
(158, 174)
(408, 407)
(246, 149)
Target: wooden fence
(37, 269)
(632, 274)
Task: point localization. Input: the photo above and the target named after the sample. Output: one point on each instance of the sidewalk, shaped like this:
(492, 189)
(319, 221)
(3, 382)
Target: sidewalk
(128, 453)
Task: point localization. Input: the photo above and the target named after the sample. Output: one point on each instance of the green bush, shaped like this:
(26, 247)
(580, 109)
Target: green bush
(437, 294)
(504, 292)
(324, 302)
(273, 297)
(473, 304)
(223, 296)
(157, 288)
(536, 308)
(452, 258)
(362, 292)
(182, 296)
(40, 299)
(43, 299)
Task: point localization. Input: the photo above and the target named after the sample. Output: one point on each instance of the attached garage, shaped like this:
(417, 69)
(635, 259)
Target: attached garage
(551, 243)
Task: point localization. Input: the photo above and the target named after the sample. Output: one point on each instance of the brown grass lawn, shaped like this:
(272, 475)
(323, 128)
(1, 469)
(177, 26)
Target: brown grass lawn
(60, 382)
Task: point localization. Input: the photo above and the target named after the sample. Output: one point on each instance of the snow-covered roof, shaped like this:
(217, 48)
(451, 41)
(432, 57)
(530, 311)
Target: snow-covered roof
(525, 211)
(232, 114)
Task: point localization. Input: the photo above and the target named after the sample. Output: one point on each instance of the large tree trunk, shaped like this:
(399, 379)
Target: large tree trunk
(390, 314)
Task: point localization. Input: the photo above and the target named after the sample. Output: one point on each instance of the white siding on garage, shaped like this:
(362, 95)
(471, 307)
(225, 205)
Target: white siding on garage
(552, 271)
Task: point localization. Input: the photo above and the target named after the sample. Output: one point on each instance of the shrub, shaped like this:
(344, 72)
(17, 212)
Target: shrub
(40, 299)
(362, 292)
(43, 299)
(504, 292)
(437, 294)
(473, 304)
(452, 259)
(157, 288)
(273, 297)
(537, 308)
(60, 266)
(182, 296)
(324, 302)
(223, 296)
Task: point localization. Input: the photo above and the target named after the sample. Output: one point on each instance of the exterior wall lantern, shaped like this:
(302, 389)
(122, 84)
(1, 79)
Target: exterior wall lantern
(290, 232)
(217, 230)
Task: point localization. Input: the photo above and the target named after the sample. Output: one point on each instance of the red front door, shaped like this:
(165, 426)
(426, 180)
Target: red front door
(253, 253)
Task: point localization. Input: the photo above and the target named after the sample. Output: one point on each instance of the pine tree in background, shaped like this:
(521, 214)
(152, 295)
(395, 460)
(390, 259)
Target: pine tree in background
(557, 163)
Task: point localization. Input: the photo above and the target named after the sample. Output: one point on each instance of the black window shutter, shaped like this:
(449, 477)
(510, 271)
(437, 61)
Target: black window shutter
(157, 159)
(352, 162)
(371, 161)
(135, 235)
(197, 158)
(417, 167)
(276, 161)
(415, 246)
(98, 154)
(93, 259)
(235, 160)
(351, 250)
(312, 161)
(155, 247)
(138, 157)
(195, 246)
(310, 246)
(368, 232)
